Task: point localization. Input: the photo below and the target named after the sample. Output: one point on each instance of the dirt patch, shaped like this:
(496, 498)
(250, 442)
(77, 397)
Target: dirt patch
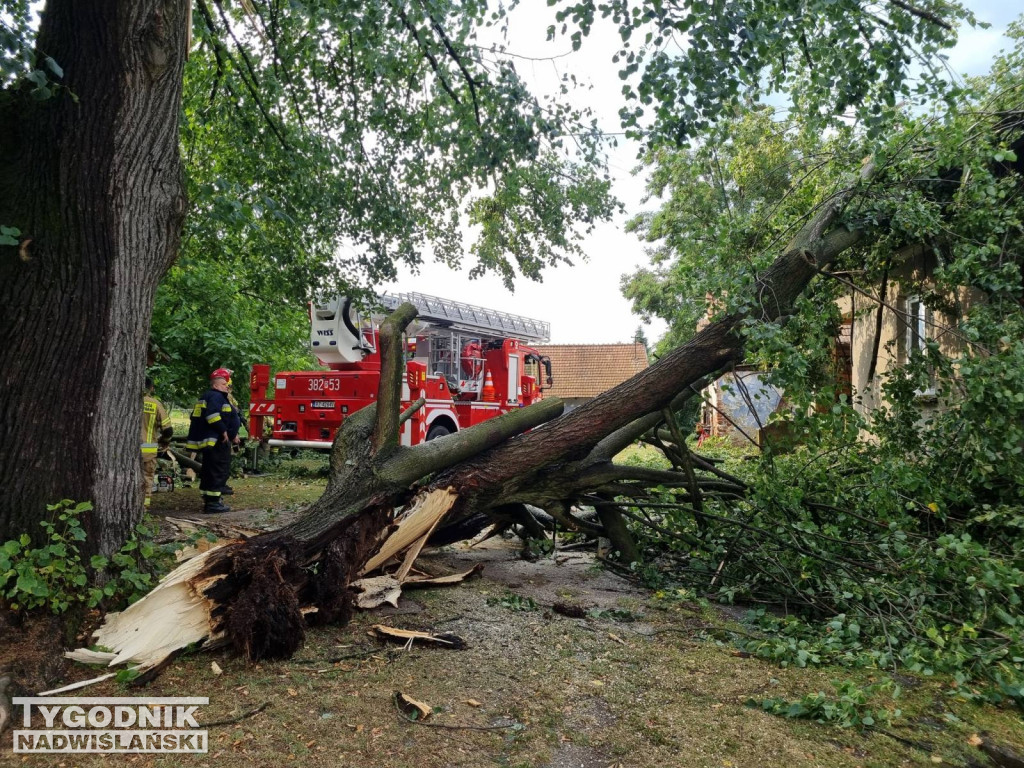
(591, 713)
(566, 577)
(572, 756)
(32, 653)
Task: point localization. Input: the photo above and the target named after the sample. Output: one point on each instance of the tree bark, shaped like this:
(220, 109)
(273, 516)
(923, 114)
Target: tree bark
(93, 180)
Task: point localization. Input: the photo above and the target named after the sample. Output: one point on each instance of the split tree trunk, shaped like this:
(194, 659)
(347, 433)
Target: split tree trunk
(93, 180)
(258, 594)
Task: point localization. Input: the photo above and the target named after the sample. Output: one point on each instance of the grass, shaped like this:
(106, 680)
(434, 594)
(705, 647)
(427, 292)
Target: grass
(550, 691)
(643, 455)
(272, 499)
(643, 680)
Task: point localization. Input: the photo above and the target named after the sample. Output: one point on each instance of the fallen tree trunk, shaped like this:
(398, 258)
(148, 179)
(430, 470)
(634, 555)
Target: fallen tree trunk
(260, 594)
(184, 460)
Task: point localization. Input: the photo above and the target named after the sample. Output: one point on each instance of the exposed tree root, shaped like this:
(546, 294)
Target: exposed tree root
(257, 604)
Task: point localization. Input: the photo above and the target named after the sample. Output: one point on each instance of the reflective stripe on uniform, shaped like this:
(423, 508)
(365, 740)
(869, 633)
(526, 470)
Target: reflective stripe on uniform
(149, 448)
(148, 419)
(213, 418)
(209, 493)
(226, 408)
(208, 442)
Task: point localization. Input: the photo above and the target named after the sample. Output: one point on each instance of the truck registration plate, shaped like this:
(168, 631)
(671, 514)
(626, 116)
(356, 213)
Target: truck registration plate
(322, 404)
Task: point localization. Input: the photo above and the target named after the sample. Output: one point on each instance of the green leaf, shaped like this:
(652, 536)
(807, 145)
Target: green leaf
(53, 66)
(29, 583)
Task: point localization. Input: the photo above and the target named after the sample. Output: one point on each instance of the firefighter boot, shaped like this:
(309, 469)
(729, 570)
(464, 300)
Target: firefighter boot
(226, 490)
(213, 505)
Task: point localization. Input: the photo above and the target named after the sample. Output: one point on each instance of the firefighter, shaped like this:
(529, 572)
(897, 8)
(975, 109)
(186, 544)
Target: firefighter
(156, 437)
(212, 430)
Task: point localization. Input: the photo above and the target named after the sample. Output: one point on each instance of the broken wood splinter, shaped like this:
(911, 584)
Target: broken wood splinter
(408, 636)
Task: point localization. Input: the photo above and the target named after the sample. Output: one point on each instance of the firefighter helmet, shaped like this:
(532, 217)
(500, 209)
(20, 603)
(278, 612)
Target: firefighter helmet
(221, 373)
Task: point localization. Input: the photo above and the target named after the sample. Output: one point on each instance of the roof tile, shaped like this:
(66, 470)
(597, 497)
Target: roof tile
(587, 370)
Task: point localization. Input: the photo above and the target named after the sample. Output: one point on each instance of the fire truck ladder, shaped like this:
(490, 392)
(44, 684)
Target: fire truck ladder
(466, 317)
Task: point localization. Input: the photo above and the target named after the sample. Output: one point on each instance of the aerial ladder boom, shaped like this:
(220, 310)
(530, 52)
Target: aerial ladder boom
(333, 335)
(338, 334)
(445, 313)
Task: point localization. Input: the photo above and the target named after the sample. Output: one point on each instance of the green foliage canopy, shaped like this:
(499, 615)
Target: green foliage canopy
(897, 528)
(326, 142)
(686, 65)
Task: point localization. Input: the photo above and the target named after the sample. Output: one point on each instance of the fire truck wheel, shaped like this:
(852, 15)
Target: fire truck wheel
(436, 431)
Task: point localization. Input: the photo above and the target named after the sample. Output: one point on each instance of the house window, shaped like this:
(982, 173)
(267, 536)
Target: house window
(917, 322)
(918, 318)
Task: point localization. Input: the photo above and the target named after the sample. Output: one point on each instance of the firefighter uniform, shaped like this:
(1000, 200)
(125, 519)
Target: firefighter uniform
(214, 424)
(156, 430)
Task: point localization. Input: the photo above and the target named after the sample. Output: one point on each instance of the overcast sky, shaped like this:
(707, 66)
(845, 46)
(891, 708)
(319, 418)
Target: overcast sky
(584, 303)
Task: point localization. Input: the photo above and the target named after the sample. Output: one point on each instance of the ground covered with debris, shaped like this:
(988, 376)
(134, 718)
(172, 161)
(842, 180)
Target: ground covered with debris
(565, 664)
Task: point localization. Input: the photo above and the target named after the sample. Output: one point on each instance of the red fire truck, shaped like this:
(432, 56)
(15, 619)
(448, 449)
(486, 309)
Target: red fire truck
(470, 364)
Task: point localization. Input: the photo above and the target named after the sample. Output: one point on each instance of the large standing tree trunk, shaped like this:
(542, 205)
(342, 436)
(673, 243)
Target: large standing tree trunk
(92, 178)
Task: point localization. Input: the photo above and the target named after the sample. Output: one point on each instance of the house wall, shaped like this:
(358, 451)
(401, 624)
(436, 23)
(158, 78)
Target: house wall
(866, 387)
(859, 360)
(891, 350)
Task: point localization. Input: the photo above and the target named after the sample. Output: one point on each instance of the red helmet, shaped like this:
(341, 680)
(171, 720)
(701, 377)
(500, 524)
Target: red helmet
(221, 373)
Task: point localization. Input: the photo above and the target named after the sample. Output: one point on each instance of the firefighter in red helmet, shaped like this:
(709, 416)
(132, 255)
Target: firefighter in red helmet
(212, 430)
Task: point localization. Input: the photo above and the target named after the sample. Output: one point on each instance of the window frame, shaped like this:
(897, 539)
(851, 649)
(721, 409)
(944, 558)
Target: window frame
(917, 317)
